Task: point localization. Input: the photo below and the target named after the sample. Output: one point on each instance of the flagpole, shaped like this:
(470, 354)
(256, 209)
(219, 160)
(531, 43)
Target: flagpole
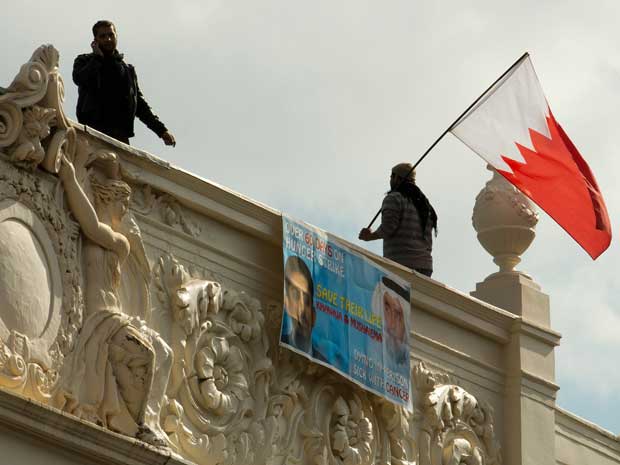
(516, 63)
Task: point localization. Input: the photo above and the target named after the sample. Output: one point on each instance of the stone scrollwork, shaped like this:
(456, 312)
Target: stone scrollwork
(11, 121)
(455, 427)
(30, 107)
(399, 444)
(31, 83)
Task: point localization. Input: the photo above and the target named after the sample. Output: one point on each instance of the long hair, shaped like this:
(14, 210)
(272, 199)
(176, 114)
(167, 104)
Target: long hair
(110, 190)
(425, 210)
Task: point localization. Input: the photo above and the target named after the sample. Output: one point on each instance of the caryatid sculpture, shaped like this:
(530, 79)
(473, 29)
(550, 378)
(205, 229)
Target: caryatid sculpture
(108, 377)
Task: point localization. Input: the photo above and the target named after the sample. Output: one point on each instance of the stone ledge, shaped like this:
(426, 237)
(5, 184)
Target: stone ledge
(71, 435)
(208, 198)
(587, 434)
(200, 195)
(535, 331)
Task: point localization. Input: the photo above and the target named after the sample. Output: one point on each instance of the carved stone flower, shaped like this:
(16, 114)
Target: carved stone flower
(245, 316)
(220, 375)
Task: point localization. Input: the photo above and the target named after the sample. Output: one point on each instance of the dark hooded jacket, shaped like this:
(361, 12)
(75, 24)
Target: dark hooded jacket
(109, 98)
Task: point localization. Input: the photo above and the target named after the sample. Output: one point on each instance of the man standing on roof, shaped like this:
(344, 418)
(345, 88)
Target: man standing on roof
(109, 98)
(407, 221)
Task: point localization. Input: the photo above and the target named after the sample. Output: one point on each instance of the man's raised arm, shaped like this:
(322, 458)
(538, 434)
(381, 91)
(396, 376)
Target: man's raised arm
(86, 70)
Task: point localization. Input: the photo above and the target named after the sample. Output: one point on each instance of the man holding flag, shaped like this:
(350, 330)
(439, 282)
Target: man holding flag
(407, 221)
(512, 128)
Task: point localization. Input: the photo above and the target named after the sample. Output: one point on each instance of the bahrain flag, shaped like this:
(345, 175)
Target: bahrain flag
(511, 127)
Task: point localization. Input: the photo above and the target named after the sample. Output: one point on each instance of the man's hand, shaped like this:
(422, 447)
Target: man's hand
(96, 49)
(169, 139)
(366, 235)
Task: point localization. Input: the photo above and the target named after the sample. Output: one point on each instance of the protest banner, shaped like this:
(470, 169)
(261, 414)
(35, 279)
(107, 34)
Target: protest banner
(345, 312)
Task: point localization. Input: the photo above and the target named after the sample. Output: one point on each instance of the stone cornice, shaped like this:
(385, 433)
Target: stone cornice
(546, 335)
(211, 199)
(68, 434)
(200, 195)
(587, 434)
(240, 212)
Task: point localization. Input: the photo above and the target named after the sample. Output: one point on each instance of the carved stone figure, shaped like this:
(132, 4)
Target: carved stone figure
(109, 376)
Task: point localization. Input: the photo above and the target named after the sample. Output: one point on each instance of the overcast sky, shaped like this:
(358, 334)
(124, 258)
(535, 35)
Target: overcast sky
(330, 94)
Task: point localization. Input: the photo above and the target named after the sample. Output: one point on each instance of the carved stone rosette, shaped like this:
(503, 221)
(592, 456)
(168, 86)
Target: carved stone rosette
(220, 369)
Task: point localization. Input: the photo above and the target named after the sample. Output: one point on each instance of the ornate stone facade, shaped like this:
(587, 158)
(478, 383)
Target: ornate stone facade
(147, 303)
(79, 331)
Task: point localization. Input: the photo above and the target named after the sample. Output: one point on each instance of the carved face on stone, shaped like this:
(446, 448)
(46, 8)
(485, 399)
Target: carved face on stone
(119, 209)
(111, 200)
(106, 39)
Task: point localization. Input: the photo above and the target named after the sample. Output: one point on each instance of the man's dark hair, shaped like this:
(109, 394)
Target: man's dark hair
(294, 263)
(102, 23)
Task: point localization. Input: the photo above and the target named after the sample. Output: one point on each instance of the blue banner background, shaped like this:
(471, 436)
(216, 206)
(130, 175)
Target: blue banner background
(336, 316)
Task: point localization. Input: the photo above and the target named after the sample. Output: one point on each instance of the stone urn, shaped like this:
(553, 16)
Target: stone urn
(505, 221)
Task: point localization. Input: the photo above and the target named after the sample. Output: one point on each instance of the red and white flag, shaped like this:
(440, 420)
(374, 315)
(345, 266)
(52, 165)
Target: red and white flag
(513, 129)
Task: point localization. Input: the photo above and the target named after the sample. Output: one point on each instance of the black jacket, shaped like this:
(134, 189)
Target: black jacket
(109, 98)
